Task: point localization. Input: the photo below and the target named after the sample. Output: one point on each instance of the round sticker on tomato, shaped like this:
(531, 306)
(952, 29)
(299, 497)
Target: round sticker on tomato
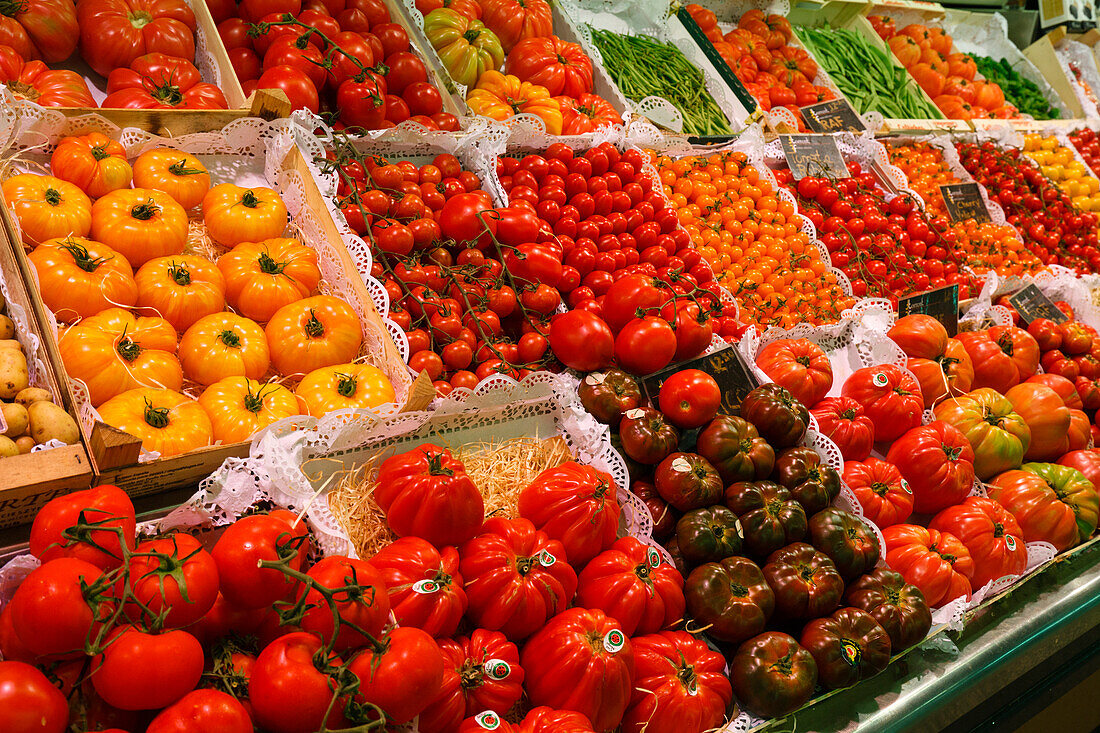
(613, 641)
(488, 720)
(425, 587)
(497, 669)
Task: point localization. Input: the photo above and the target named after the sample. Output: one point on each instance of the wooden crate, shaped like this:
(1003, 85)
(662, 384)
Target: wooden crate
(114, 453)
(29, 481)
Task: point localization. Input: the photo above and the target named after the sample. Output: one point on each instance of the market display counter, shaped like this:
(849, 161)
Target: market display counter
(1016, 655)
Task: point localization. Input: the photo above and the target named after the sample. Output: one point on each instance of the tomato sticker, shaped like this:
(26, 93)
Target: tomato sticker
(614, 641)
(880, 380)
(737, 527)
(595, 378)
(546, 559)
(425, 587)
(497, 669)
(488, 720)
(653, 557)
(681, 465)
(1010, 543)
(850, 652)
(635, 414)
(905, 487)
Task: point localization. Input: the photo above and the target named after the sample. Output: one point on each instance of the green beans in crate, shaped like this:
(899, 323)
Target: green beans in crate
(866, 75)
(641, 67)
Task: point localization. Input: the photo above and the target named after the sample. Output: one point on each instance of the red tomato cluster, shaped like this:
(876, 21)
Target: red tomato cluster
(349, 59)
(625, 259)
(1055, 230)
(1087, 143)
(744, 509)
(888, 247)
(760, 53)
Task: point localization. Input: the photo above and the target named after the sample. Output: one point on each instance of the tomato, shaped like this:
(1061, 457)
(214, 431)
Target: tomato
(249, 541)
(581, 660)
(687, 481)
(424, 585)
(51, 613)
(881, 491)
(1051, 508)
(29, 702)
(360, 600)
(94, 162)
(55, 531)
(1085, 461)
(115, 32)
(560, 66)
(576, 505)
(400, 675)
(897, 606)
(547, 720)
(735, 449)
(629, 296)
(646, 436)
(938, 462)
(467, 217)
(990, 534)
(847, 646)
(780, 418)
(805, 581)
(481, 672)
(800, 366)
(203, 711)
(157, 81)
(516, 577)
(842, 420)
(426, 493)
(690, 398)
(645, 345)
(294, 83)
(772, 675)
(935, 562)
(999, 436)
(813, 483)
(582, 341)
(890, 397)
(664, 517)
(770, 517)
(633, 585)
(730, 597)
(709, 534)
(48, 207)
(174, 574)
(45, 29)
(1046, 416)
(679, 685)
(142, 671)
(607, 395)
(289, 689)
(363, 104)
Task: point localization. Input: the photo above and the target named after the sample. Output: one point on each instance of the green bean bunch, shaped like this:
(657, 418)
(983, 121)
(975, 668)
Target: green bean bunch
(866, 75)
(641, 67)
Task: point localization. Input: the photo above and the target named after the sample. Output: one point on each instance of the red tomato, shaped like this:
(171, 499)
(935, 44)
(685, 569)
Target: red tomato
(234, 34)
(937, 563)
(990, 534)
(632, 584)
(842, 420)
(576, 505)
(393, 37)
(203, 711)
(49, 612)
(799, 365)
(424, 585)
(690, 398)
(176, 574)
(581, 660)
(307, 58)
(880, 489)
(294, 83)
(362, 104)
(353, 46)
(582, 341)
(645, 345)
(547, 720)
(247, 542)
(28, 702)
(254, 10)
(467, 217)
(104, 506)
(629, 295)
(480, 672)
(402, 675)
(890, 397)
(288, 693)
(111, 39)
(142, 671)
(405, 68)
(246, 63)
(360, 600)
(938, 462)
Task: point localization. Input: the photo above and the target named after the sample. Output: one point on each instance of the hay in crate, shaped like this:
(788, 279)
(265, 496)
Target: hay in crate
(499, 469)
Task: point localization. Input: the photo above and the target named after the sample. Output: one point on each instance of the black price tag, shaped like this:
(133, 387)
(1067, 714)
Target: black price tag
(964, 201)
(941, 303)
(1031, 304)
(836, 115)
(814, 155)
(735, 378)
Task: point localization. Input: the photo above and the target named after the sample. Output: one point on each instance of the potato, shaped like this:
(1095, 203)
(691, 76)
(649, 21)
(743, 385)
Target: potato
(13, 373)
(7, 327)
(17, 419)
(33, 394)
(48, 421)
(8, 447)
(24, 443)
(10, 344)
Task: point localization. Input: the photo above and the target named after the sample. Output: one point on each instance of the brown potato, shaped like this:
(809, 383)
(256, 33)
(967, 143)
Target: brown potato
(8, 447)
(16, 417)
(13, 373)
(33, 394)
(7, 327)
(24, 443)
(48, 421)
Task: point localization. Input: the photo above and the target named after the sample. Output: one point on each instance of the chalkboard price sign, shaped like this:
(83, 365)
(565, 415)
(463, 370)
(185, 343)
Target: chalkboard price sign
(1032, 304)
(964, 201)
(836, 115)
(735, 377)
(941, 303)
(814, 155)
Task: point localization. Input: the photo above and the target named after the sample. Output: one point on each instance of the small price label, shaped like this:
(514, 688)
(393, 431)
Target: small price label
(964, 201)
(836, 115)
(735, 378)
(941, 303)
(1031, 304)
(814, 155)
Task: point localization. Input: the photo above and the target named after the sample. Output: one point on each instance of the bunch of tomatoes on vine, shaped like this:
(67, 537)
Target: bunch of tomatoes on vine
(886, 245)
(478, 288)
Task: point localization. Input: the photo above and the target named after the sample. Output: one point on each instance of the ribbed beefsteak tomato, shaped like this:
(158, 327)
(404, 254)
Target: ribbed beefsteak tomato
(778, 416)
(806, 582)
(1066, 486)
(480, 672)
(159, 81)
(939, 363)
(813, 483)
(991, 536)
(772, 675)
(847, 646)
(42, 85)
(770, 516)
(1046, 416)
(999, 436)
(560, 66)
(576, 505)
(938, 462)
(633, 584)
(890, 397)
(731, 598)
(899, 607)
(423, 583)
(843, 421)
(115, 32)
(847, 540)
(709, 534)
(880, 489)
(40, 29)
(800, 366)
(935, 562)
(734, 447)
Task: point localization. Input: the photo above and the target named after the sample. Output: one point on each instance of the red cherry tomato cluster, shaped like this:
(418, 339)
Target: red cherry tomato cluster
(758, 51)
(611, 220)
(886, 248)
(1087, 143)
(349, 59)
(1055, 230)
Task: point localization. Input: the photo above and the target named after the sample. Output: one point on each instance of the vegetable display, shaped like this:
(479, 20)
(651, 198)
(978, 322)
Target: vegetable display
(1021, 92)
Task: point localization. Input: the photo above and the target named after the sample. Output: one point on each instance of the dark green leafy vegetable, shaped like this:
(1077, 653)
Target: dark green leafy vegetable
(866, 75)
(641, 67)
(1020, 92)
